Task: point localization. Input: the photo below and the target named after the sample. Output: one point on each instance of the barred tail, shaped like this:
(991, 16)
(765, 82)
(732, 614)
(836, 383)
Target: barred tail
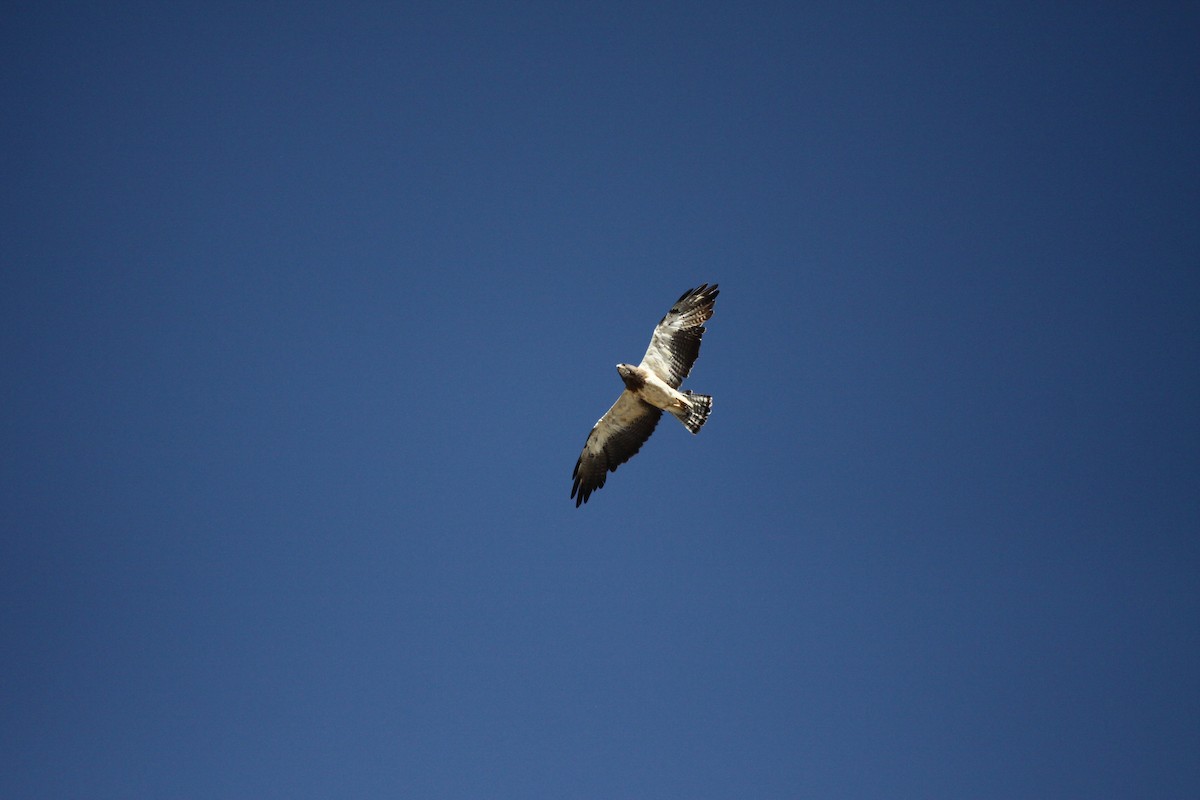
(700, 406)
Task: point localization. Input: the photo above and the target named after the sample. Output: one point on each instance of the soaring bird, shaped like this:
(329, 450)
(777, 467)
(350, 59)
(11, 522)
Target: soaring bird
(651, 388)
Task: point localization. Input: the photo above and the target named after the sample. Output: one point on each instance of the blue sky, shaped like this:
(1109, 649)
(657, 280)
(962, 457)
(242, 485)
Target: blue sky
(307, 309)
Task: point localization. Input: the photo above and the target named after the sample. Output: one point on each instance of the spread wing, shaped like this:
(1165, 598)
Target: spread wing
(676, 340)
(616, 437)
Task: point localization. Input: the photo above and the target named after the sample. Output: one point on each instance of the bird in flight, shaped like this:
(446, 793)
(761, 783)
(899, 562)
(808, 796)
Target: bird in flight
(651, 388)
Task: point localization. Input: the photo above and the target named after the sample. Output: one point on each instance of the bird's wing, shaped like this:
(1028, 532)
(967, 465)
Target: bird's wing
(676, 340)
(615, 438)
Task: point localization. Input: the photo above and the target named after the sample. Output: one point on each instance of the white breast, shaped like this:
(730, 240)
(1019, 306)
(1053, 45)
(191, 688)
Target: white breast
(656, 392)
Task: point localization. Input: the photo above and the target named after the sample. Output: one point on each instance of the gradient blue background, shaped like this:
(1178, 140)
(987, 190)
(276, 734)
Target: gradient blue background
(307, 309)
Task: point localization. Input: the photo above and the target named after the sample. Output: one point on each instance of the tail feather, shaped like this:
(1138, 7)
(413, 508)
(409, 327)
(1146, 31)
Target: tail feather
(700, 406)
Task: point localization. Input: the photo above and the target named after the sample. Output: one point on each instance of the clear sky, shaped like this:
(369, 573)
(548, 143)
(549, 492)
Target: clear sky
(307, 309)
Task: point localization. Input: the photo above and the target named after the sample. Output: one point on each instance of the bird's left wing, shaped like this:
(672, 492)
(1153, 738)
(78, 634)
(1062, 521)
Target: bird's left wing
(614, 439)
(675, 345)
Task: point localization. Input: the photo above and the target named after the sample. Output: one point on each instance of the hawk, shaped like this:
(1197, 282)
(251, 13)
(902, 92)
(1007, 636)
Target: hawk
(651, 388)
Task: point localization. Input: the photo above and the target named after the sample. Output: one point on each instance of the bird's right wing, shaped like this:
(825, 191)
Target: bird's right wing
(615, 438)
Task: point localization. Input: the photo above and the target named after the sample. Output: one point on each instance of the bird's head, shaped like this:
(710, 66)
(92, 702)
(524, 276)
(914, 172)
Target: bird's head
(629, 374)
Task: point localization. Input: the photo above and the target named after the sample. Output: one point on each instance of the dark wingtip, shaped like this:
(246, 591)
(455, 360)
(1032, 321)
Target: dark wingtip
(579, 490)
(704, 291)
